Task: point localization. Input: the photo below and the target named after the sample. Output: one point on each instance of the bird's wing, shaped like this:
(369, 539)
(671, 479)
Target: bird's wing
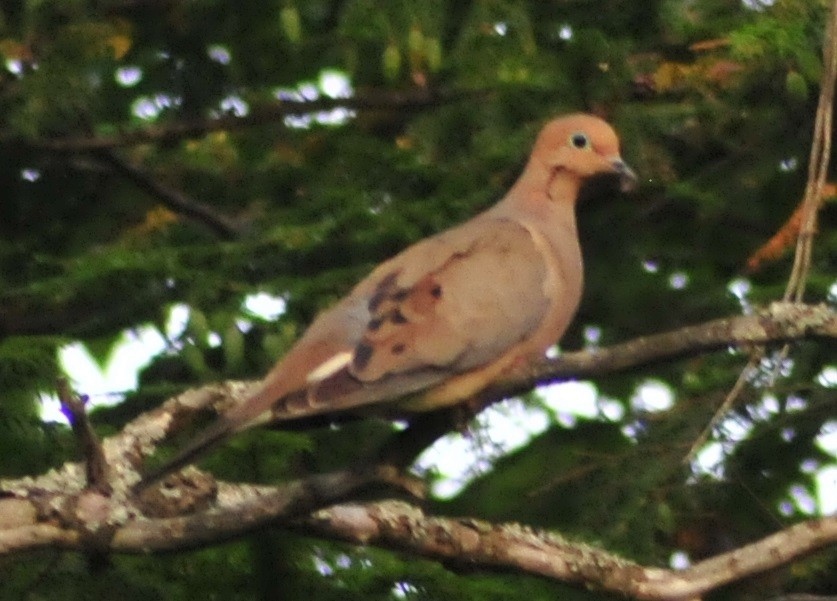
(483, 296)
(443, 307)
(450, 304)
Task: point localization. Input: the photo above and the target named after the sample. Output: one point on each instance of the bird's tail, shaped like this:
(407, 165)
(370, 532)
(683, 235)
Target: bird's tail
(207, 440)
(253, 411)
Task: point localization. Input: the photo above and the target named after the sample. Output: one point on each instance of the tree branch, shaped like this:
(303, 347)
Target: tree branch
(96, 473)
(400, 526)
(377, 100)
(52, 510)
(512, 546)
(174, 199)
(779, 322)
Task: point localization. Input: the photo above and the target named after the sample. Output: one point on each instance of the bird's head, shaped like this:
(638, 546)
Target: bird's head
(579, 147)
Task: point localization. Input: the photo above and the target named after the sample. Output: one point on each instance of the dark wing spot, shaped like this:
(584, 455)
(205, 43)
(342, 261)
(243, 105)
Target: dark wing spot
(376, 299)
(400, 295)
(399, 348)
(436, 291)
(381, 292)
(374, 324)
(397, 317)
(363, 353)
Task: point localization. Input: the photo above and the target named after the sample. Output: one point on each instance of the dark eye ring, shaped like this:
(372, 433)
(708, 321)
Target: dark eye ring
(579, 141)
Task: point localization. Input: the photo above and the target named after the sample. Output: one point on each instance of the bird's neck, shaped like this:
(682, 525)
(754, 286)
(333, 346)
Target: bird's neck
(548, 194)
(544, 203)
(563, 188)
(547, 198)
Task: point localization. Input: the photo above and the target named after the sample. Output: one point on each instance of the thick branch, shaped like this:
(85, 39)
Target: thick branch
(241, 508)
(51, 512)
(473, 542)
(461, 541)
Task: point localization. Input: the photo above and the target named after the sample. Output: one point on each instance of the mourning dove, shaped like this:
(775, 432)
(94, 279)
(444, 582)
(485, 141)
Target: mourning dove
(452, 313)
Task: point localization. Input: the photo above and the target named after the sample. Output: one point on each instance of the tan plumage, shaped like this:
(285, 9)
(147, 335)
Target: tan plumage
(450, 314)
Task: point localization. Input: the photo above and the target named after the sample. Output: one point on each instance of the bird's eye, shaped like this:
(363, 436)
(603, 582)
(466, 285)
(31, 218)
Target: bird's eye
(580, 141)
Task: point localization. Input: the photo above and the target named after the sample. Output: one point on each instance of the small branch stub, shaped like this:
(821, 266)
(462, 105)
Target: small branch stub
(73, 406)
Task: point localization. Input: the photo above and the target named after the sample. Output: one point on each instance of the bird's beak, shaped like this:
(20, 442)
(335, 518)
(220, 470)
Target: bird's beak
(627, 177)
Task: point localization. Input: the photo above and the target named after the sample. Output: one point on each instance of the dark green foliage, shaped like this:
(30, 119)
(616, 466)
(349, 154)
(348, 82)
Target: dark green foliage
(714, 102)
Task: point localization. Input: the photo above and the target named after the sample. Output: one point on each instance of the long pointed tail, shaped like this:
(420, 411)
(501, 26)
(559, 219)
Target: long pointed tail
(253, 411)
(207, 440)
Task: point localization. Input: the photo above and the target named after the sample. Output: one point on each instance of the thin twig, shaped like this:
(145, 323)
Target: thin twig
(174, 199)
(814, 196)
(723, 409)
(817, 165)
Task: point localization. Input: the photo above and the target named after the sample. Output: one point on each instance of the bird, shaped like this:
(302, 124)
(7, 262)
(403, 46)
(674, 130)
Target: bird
(449, 315)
